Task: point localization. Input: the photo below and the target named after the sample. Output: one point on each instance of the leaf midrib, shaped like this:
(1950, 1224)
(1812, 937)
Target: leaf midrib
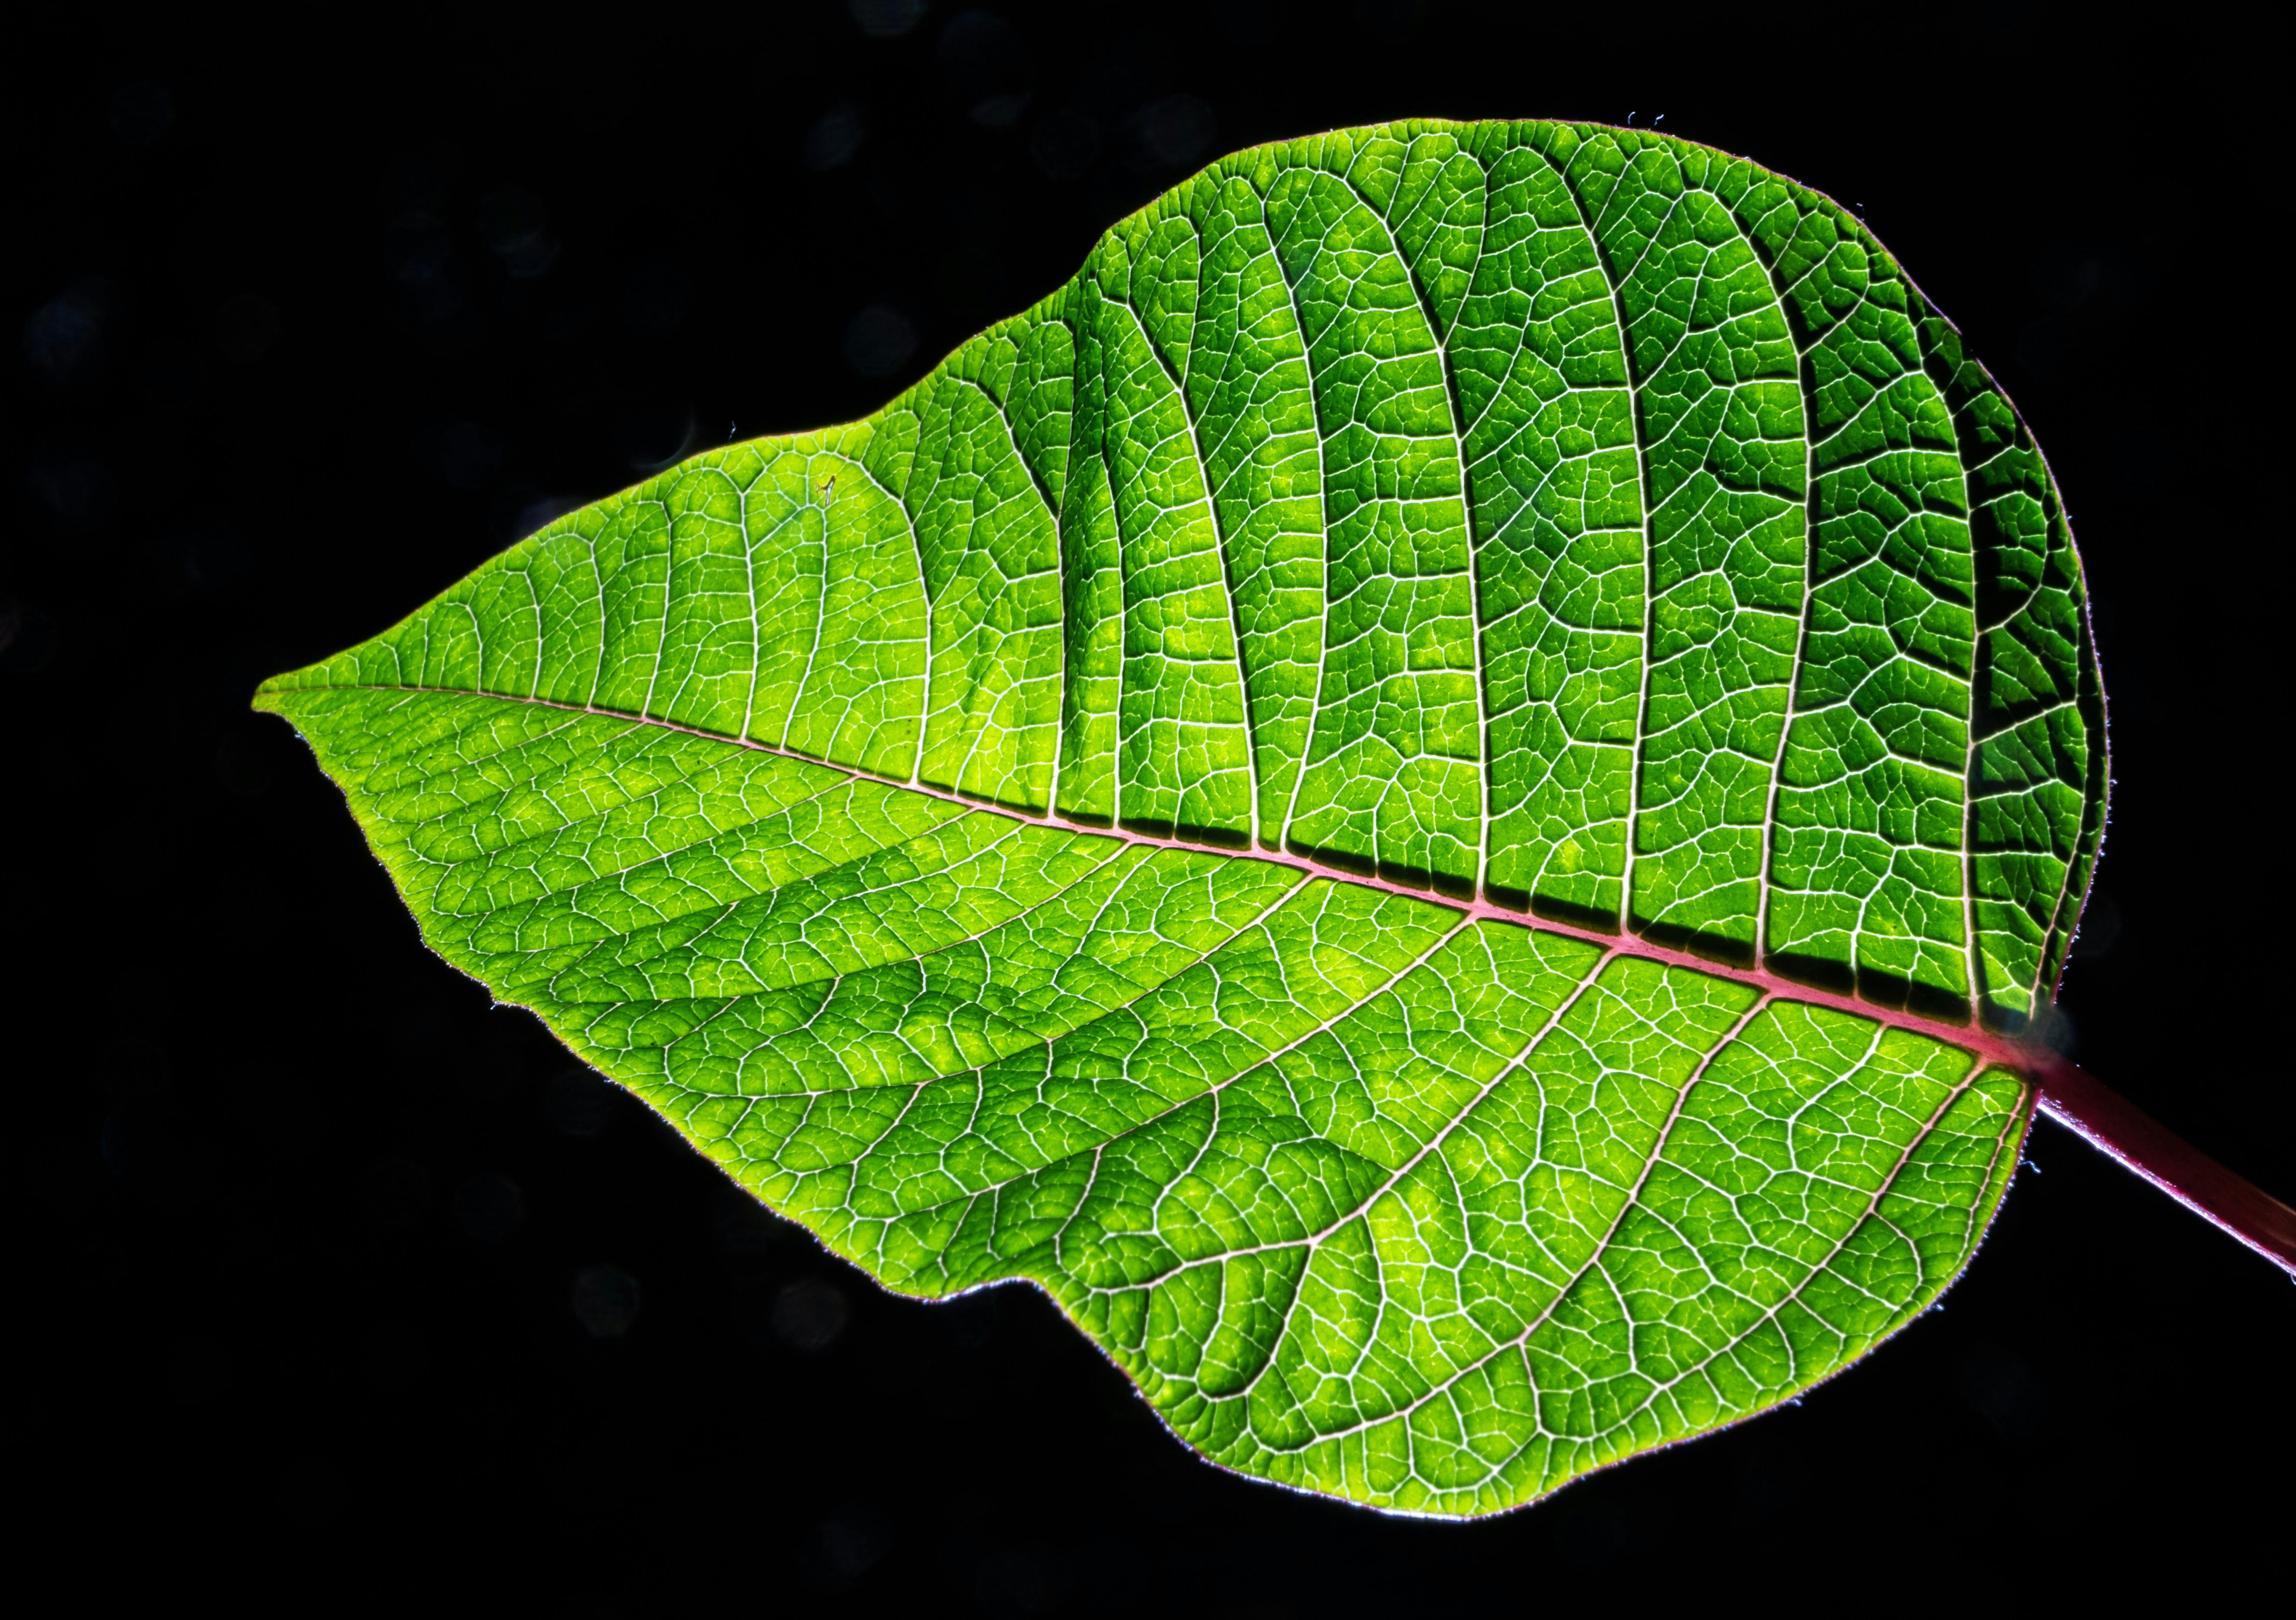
(1997, 1050)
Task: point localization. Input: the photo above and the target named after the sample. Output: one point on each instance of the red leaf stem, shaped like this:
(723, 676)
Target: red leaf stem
(2110, 1121)
(2116, 1126)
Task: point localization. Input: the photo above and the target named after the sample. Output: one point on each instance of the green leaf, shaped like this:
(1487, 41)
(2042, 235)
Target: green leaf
(1429, 795)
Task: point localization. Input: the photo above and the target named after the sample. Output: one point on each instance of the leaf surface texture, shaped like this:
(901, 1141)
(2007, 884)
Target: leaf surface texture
(1216, 803)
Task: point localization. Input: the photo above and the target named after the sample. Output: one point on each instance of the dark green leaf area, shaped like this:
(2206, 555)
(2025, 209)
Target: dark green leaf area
(1105, 820)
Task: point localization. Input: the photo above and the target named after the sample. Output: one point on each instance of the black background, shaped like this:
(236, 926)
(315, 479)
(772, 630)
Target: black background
(325, 1271)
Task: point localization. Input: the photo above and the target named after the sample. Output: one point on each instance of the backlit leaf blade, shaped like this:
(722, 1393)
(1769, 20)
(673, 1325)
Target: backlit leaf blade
(1203, 803)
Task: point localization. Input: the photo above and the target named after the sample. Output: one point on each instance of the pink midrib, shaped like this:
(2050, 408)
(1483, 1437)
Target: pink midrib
(2065, 1092)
